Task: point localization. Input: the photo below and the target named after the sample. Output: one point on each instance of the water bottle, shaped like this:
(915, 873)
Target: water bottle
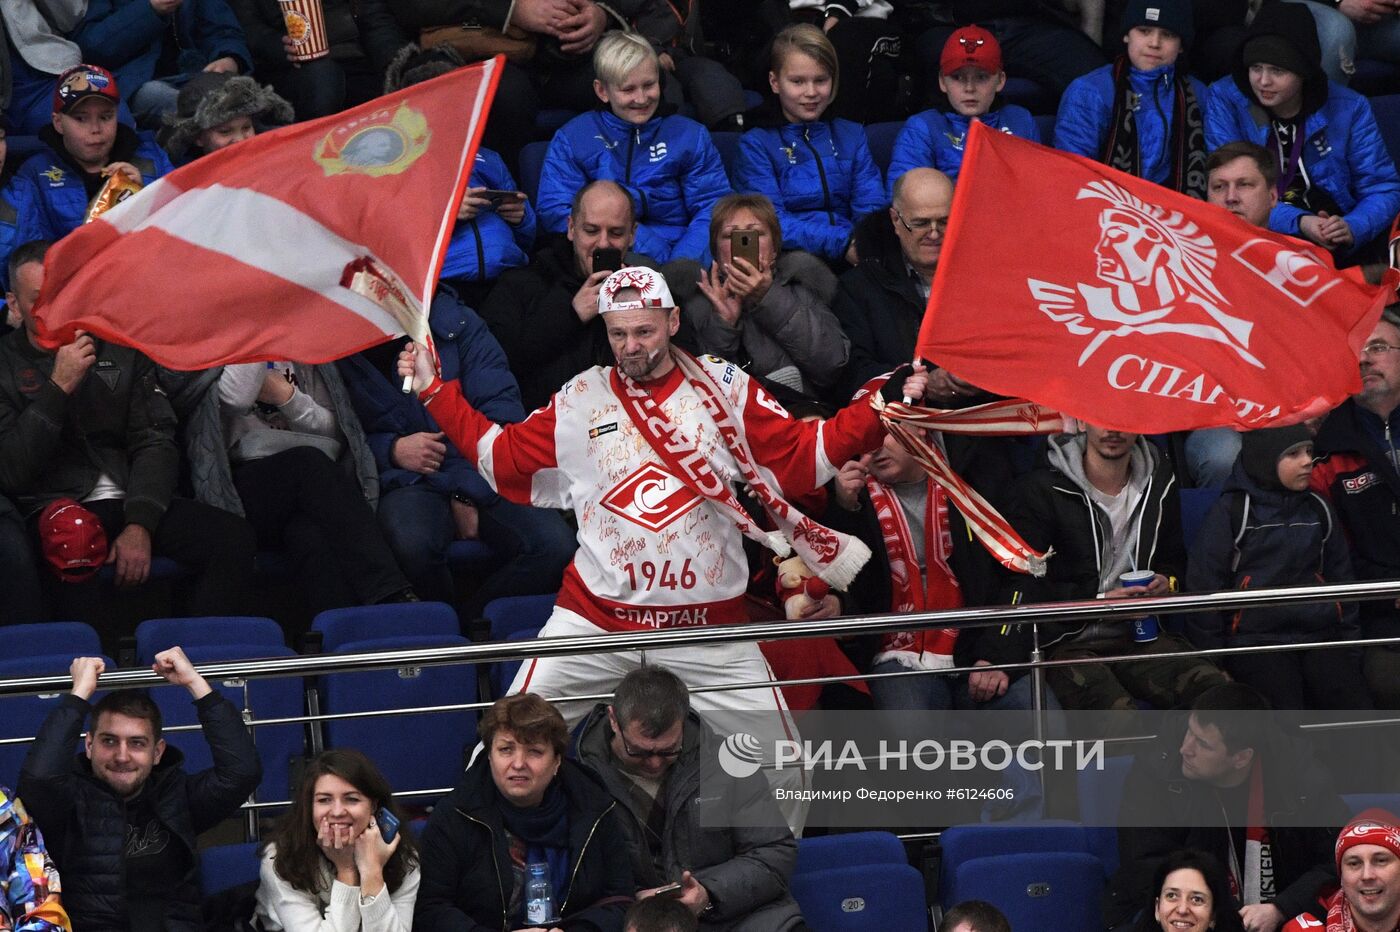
(539, 895)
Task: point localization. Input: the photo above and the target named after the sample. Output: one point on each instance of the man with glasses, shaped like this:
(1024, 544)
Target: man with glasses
(881, 301)
(1359, 444)
(720, 837)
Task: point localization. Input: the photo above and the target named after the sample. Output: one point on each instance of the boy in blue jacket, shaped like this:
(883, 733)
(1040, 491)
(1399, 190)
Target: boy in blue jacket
(817, 171)
(668, 164)
(1268, 529)
(86, 144)
(970, 73)
(1142, 114)
(1337, 183)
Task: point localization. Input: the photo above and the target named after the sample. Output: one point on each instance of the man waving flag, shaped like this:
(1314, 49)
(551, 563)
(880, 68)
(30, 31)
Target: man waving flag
(1131, 306)
(311, 242)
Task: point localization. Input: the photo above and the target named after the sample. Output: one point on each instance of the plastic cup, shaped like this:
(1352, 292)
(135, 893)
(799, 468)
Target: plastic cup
(306, 25)
(1145, 629)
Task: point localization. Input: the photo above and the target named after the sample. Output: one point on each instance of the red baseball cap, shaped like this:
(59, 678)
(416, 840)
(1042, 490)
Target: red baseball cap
(72, 540)
(81, 82)
(970, 45)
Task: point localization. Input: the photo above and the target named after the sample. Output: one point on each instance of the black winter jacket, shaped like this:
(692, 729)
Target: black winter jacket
(878, 303)
(466, 864)
(745, 869)
(1289, 539)
(118, 422)
(1049, 509)
(84, 821)
(1303, 810)
(1358, 476)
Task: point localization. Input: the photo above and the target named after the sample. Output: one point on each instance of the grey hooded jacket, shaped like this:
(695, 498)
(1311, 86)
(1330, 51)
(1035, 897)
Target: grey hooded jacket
(745, 869)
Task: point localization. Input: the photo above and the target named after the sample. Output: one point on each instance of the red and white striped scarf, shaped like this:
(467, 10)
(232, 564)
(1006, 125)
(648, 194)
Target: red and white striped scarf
(928, 649)
(833, 556)
(1006, 418)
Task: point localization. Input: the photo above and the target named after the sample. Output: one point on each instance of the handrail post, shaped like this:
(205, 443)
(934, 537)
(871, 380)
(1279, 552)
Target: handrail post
(1038, 703)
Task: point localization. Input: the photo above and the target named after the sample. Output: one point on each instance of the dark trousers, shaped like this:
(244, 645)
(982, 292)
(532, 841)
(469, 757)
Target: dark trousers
(301, 502)
(324, 86)
(218, 545)
(535, 543)
(1305, 679)
(21, 594)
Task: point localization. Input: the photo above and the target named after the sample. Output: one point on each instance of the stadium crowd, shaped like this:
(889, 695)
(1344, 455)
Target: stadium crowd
(713, 265)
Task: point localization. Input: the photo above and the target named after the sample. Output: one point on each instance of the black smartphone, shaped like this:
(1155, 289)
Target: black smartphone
(743, 244)
(388, 824)
(607, 260)
(499, 197)
(671, 889)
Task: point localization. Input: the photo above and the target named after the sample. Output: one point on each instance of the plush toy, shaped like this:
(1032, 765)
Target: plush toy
(799, 589)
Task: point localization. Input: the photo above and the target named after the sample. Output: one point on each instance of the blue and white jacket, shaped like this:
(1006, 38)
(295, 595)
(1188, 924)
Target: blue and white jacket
(935, 139)
(483, 248)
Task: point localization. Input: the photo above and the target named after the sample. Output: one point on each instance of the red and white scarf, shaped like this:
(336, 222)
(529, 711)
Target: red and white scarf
(833, 556)
(1007, 418)
(1247, 880)
(929, 649)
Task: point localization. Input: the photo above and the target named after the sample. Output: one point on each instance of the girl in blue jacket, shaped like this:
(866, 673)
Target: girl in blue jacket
(818, 173)
(1337, 184)
(971, 75)
(668, 164)
(1142, 114)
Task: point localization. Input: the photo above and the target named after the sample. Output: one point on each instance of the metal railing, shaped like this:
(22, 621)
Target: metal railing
(1038, 614)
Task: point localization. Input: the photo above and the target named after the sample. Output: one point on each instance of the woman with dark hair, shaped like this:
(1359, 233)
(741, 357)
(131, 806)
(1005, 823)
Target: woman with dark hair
(328, 867)
(1191, 894)
(522, 814)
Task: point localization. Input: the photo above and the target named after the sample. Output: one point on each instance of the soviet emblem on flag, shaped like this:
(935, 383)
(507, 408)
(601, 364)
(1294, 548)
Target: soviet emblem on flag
(383, 143)
(1155, 273)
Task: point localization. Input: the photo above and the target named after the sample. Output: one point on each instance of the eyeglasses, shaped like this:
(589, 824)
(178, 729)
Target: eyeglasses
(923, 225)
(644, 753)
(1377, 348)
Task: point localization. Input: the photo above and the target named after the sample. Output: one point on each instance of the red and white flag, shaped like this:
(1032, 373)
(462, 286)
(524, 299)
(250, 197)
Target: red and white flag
(1130, 306)
(307, 243)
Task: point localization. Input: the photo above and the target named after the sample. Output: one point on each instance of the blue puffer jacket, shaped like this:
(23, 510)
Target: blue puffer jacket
(935, 139)
(1086, 112)
(62, 198)
(819, 176)
(483, 248)
(669, 164)
(1344, 155)
(19, 215)
(126, 36)
(468, 353)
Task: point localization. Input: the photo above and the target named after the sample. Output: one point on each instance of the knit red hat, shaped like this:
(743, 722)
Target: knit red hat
(1372, 827)
(970, 45)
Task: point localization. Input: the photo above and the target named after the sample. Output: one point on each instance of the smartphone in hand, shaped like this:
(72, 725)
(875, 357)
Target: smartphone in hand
(388, 824)
(607, 260)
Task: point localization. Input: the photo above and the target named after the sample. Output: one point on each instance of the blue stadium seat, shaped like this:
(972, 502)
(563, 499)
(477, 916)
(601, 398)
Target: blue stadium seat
(282, 697)
(158, 634)
(223, 867)
(547, 121)
(394, 621)
(531, 164)
(728, 146)
(881, 137)
(21, 716)
(1360, 802)
(1387, 110)
(1100, 799)
(517, 613)
(1057, 890)
(503, 671)
(415, 752)
(1035, 97)
(824, 852)
(867, 898)
(1195, 505)
(50, 637)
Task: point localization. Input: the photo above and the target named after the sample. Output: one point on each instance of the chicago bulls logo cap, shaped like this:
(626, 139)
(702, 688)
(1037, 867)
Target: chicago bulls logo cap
(72, 540)
(970, 45)
(634, 288)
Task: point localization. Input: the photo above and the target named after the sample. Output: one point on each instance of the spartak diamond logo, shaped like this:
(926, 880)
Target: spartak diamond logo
(1155, 269)
(650, 497)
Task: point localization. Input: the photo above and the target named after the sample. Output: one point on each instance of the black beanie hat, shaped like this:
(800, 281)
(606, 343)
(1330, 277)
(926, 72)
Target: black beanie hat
(1260, 451)
(1168, 14)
